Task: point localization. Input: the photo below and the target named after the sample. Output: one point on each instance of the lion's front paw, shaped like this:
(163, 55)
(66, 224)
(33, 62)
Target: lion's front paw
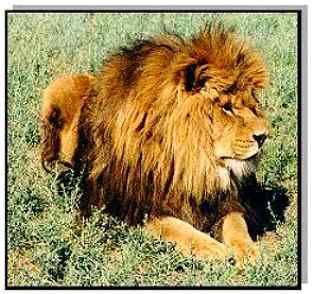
(210, 250)
(245, 252)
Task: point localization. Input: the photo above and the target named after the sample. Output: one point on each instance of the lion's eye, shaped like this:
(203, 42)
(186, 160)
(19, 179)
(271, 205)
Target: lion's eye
(255, 111)
(228, 108)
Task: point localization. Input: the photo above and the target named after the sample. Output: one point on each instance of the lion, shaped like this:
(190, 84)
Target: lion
(169, 137)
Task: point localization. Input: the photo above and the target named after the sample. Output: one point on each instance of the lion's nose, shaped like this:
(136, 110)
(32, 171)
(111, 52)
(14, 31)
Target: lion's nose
(260, 138)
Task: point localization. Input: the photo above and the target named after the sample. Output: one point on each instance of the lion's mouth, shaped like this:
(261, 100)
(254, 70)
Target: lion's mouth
(251, 158)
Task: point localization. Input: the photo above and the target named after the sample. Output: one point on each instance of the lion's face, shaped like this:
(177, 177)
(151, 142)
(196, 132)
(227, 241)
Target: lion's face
(239, 127)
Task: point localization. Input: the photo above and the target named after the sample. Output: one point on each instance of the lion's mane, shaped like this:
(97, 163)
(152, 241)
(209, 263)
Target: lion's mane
(144, 141)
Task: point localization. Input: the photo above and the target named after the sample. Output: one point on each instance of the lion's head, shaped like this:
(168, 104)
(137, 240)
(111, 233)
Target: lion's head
(191, 114)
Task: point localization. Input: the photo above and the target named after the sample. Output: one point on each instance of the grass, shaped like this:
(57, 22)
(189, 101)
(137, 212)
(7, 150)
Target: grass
(46, 246)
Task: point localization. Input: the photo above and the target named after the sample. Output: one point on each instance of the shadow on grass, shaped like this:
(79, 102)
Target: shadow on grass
(267, 207)
(66, 181)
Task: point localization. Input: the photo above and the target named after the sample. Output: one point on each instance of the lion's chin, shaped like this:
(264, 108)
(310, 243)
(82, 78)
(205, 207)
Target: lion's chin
(240, 167)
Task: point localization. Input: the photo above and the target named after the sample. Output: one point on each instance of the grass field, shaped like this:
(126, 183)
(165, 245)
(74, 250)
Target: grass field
(45, 246)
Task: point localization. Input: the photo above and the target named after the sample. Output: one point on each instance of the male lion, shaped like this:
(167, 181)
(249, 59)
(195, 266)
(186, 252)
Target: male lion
(168, 134)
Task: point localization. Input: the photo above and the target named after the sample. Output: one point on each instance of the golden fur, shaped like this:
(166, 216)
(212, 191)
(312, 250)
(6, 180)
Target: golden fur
(60, 112)
(170, 132)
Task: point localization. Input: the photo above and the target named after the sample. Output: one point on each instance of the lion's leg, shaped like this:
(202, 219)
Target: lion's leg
(188, 240)
(60, 113)
(236, 236)
(51, 126)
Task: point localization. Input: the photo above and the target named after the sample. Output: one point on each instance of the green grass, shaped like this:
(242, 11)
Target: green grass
(46, 246)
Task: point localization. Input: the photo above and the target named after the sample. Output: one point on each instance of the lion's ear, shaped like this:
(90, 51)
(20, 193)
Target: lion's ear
(193, 80)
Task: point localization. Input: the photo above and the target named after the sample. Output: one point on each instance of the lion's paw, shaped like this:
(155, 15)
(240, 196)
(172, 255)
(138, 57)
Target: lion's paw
(210, 250)
(245, 252)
